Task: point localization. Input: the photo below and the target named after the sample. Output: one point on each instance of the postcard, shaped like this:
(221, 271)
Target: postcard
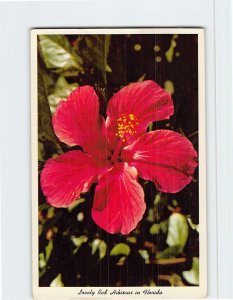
(118, 163)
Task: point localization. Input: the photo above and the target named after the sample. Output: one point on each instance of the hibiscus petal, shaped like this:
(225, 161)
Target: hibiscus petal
(165, 157)
(77, 121)
(119, 200)
(147, 101)
(65, 177)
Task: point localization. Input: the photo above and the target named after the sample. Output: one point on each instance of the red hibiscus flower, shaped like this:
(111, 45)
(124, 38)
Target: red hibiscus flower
(115, 152)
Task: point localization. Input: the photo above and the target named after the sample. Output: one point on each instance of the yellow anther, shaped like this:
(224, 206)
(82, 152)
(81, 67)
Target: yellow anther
(131, 116)
(126, 125)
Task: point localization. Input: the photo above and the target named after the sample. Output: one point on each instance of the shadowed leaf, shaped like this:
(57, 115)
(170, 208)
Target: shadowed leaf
(95, 50)
(48, 250)
(59, 55)
(45, 129)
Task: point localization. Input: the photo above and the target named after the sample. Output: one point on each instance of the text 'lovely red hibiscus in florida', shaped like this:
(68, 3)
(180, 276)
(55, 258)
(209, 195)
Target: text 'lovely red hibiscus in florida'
(115, 152)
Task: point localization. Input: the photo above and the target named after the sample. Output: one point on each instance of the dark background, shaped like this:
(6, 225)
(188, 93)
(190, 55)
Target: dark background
(131, 58)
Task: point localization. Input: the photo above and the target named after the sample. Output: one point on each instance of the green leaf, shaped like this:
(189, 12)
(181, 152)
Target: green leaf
(108, 69)
(40, 229)
(100, 245)
(44, 206)
(176, 280)
(50, 213)
(48, 250)
(152, 283)
(168, 252)
(61, 91)
(150, 127)
(59, 55)
(192, 225)
(164, 226)
(45, 129)
(41, 152)
(170, 52)
(131, 239)
(174, 203)
(150, 216)
(141, 79)
(75, 204)
(144, 254)
(80, 216)
(157, 199)
(42, 261)
(171, 208)
(102, 249)
(78, 241)
(154, 229)
(177, 231)
(121, 261)
(57, 282)
(169, 87)
(44, 257)
(192, 276)
(120, 248)
(44, 116)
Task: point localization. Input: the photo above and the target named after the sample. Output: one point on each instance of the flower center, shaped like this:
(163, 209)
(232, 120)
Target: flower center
(126, 126)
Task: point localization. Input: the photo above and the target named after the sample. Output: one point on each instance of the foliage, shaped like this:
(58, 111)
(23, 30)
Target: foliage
(120, 248)
(177, 231)
(164, 248)
(192, 276)
(59, 55)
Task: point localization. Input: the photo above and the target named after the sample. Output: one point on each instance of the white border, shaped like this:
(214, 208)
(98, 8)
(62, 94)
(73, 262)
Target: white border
(224, 147)
(16, 19)
(167, 292)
